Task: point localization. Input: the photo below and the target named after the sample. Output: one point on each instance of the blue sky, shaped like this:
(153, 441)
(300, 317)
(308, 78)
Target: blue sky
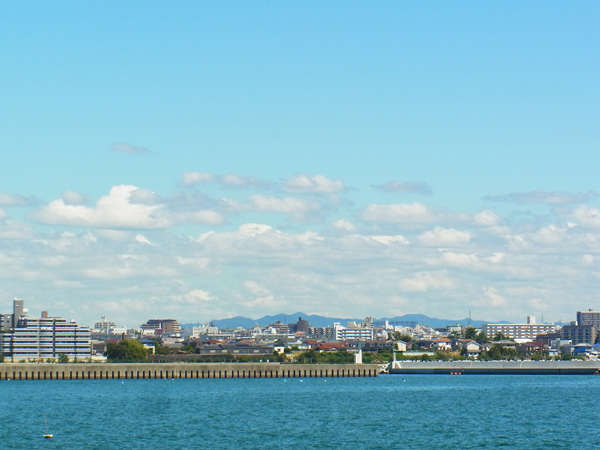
(209, 159)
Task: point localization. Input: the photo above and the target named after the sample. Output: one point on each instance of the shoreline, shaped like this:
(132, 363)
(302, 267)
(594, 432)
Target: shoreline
(112, 371)
(495, 367)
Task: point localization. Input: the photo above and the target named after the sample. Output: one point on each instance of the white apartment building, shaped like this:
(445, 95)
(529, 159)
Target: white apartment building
(352, 331)
(104, 326)
(203, 329)
(44, 337)
(528, 330)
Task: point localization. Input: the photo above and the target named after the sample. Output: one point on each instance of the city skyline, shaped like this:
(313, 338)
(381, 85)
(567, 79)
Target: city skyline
(207, 161)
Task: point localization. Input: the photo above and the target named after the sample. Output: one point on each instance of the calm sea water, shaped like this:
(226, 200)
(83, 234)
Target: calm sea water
(393, 411)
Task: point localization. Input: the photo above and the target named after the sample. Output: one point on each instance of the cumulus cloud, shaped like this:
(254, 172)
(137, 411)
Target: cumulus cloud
(400, 213)
(74, 198)
(426, 281)
(460, 259)
(269, 203)
(256, 289)
(299, 210)
(586, 216)
(119, 210)
(344, 225)
(553, 198)
(405, 187)
(318, 184)
(13, 229)
(193, 297)
(354, 263)
(122, 147)
(233, 180)
(16, 200)
(492, 298)
(486, 218)
(142, 239)
(193, 178)
(230, 180)
(444, 237)
(387, 240)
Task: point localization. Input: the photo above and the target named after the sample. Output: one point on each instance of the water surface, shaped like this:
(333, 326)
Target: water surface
(393, 411)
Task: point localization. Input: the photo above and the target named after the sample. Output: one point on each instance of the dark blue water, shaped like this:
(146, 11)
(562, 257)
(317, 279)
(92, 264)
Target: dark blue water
(422, 412)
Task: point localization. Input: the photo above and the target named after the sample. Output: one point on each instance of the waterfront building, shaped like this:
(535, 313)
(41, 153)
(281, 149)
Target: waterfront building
(44, 337)
(528, 330)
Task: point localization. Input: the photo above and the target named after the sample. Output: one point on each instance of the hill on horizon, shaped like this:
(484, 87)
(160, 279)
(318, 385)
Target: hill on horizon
(320, 321)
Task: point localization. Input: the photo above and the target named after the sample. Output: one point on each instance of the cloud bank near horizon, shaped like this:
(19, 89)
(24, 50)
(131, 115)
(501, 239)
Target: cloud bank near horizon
(305, 244)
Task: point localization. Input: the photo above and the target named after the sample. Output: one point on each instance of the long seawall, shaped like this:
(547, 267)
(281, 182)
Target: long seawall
(111, 371)
(575, 367)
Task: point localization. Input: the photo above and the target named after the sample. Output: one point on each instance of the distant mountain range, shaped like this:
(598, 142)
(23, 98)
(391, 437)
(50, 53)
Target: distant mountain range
(320, 321)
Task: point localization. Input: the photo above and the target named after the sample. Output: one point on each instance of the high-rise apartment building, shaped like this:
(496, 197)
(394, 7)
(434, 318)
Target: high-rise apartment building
(43, 338)
(590, 317)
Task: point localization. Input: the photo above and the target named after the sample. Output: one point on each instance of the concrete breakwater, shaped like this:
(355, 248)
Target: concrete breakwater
(575, 367)
(111, 371)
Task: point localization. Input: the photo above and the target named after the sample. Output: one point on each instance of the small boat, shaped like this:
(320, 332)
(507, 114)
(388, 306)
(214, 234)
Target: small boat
(47, 435)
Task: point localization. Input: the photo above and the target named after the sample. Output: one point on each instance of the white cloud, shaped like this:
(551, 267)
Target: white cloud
(426, 281)
(142, 239)
(405, 187)
(492, 299)
(230, 180)
(552, 198)
(111, 211)
(587, 216)
(390, 239)
(193, 297)
(408, 213)
(255, 289)
(118, 210)
(486, 218)
(122, 147)
(267, 203)
(355, 263)
(74, 198)
(233, 180)
(15, 200)
(460, 259)
(318, 184)
(343, 224)
(13, 229)
(444, 237)
(193, 178)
